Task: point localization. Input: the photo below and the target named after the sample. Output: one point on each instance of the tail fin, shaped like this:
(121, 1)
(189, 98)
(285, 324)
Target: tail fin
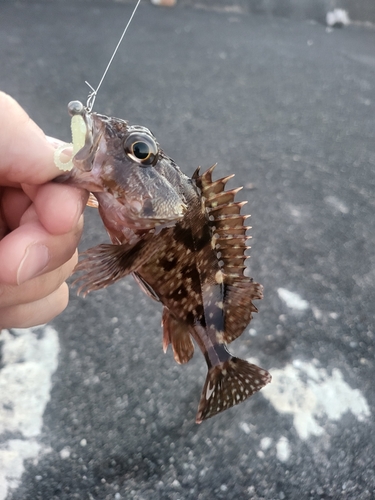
(228, 384)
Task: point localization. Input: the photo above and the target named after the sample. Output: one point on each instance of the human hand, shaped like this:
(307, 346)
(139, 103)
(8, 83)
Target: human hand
(40, 223)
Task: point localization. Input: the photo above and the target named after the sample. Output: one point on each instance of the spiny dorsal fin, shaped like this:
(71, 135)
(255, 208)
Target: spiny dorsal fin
(229, 242)
(226, 221)
(206, 177)
(196, 173)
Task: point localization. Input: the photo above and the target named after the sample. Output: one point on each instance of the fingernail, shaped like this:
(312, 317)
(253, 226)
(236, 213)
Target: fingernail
(33, 263)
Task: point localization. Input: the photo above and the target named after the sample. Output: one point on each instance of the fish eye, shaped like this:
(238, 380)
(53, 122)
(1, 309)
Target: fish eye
(141, 148)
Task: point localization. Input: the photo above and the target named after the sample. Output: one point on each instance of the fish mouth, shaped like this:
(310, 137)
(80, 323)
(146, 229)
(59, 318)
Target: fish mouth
(86, 138)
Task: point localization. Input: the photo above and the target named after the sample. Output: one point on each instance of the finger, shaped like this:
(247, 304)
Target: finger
(37, 312)
(26, 155)
(30, 251)
(14, 203)
(37, 288)
(58, 207)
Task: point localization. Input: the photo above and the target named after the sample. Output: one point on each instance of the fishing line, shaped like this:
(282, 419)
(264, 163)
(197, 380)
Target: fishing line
(92, 95)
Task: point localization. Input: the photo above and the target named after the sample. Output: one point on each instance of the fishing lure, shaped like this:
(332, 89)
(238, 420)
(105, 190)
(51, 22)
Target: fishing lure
(183, 239)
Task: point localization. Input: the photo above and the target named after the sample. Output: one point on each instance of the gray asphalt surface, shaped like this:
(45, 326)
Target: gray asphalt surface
(289, 108)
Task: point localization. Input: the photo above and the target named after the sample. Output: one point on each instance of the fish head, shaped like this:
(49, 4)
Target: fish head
(125, 169)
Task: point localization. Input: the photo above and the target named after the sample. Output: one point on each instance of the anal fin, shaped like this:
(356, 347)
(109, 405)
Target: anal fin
(176, 333)
(228, 384)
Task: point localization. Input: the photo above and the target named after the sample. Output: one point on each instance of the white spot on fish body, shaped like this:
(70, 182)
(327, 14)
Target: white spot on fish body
(209, 391)
(220, 339)
(219, 278)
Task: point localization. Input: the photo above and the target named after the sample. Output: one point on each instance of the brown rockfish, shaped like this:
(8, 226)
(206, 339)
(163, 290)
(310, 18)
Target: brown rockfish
(184, 241)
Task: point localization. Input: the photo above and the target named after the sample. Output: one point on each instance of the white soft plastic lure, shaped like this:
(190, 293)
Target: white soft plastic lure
(78, 128)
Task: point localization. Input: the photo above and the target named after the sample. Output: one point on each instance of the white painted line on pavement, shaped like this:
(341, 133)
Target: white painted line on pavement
(308, 393)
(29, 358)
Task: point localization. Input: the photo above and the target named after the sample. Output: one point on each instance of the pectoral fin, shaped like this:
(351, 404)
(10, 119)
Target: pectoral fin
(105, 264)
(92, 201)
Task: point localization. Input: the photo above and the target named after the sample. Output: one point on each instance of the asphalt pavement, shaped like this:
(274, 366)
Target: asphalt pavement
(90, 406)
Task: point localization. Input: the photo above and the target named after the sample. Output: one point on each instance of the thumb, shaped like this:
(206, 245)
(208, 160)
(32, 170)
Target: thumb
(26, 154)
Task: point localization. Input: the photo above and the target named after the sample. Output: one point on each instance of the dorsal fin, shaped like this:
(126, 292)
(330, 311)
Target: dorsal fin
(226, 221)
(229, 241)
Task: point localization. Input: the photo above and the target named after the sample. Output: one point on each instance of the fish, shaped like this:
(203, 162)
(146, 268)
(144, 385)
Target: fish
(182, 238)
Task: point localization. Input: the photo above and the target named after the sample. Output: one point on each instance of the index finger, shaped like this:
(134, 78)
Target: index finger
(26, 155)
